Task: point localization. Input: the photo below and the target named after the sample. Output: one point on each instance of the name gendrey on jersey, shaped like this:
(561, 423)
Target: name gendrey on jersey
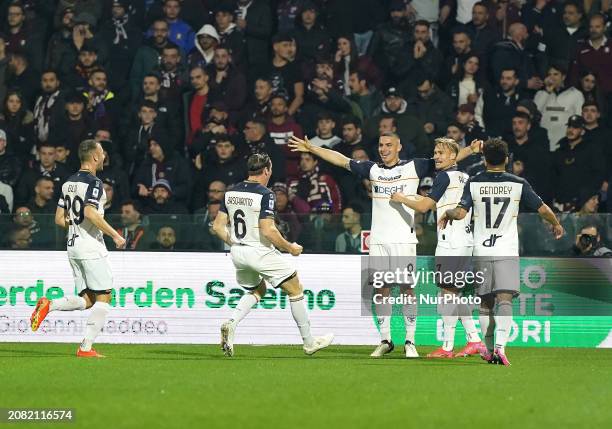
(245, 204)
(495, 198)
(393, 222)
(446, 191)
(84, 239)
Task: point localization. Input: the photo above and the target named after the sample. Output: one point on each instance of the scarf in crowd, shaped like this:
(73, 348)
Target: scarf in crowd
(99, 110)
(167, 78)
(42, 115)
(120, 32)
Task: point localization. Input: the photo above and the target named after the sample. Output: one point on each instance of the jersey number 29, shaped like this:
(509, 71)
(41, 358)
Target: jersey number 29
(77, 207)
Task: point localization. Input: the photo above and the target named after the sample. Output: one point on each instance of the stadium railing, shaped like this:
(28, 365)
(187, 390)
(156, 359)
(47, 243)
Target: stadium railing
(316, 232)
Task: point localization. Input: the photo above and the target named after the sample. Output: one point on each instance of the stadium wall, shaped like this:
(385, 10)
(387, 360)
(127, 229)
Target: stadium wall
(184, 298)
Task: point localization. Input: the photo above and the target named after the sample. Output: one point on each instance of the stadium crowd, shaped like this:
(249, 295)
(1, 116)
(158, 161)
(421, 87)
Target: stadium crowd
(181, 92)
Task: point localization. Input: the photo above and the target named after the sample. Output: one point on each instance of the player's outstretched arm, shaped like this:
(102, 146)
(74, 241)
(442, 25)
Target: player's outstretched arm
(268, 229)
(303, 145)
(415, 202)
(474, 147)
(61, 218)
(549, 216)
(92, 215)
(220, 228)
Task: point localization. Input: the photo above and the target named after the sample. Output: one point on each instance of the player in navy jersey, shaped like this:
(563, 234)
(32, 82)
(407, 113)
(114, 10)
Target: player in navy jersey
(248, 211)
(393, 230)
(80, 210)
(455, 244)
(494, 197)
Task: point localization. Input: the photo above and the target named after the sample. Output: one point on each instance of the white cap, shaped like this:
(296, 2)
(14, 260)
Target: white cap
(2, 135)
(209, 30)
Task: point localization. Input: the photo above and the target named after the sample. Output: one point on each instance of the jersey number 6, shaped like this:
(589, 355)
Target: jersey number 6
(240, 227)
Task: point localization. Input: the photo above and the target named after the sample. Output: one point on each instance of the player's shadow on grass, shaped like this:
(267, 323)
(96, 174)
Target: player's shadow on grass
(247, 355)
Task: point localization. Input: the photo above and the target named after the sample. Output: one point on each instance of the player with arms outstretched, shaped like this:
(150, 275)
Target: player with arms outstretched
(455, 243)
(393, 232)
(248, 210)
(494, 197)
(81, 211)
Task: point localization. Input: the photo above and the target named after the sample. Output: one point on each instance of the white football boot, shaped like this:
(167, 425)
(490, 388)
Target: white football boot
(410, 350)
(318, 344)
(227, 338)
(383, 348)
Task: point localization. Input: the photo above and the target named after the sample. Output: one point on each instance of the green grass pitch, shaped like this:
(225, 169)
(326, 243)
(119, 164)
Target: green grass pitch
(184, 386)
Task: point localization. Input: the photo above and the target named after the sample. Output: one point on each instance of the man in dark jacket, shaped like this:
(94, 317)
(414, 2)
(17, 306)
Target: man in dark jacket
(482, 35)
(431, 106)
(578, 164)
(254, 19)
(226, 82)
(148, 56)
(49, 106)
(161, 201)
(163, 163)
(561, 38)
(311, 38)
(10, 165)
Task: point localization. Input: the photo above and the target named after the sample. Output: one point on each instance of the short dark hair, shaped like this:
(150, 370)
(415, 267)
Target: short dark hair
(509, 68)
(49, 70)
(86, 148)
(495, 151)
(351, 119)
(43, 179)
(522, 115)
(360, 75)
(393, 121)
(174, 46)
(356, 206)
(422, 23)
(591, 103)
(562, 68)
(132, 203)
(257, 162)
(154, 75)
(148, 103)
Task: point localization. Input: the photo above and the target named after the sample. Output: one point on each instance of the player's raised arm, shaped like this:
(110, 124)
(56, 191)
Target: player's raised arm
(220, 227)
(303, 145)
(92, 215)
(268, 229)
(474, 147)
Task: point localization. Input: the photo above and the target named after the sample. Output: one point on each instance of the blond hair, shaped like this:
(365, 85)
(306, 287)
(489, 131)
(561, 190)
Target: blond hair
(448, 143)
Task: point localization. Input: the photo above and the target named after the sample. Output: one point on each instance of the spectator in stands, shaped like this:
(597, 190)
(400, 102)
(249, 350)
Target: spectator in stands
(206, 239)
(22, 36)
(589, 243)
(591, 91)
(462, 48)
(424, 58)
(311, 38)
(112, 205)
(468, 83)
(588, 202)
(351, 135)
(113, 165)
(513, 53)
(165, 240)
(367, 97)
(42, 234)
(391, 41)
(60, 40)
(163, 163)
(75, 124)
(180, 33)
(194, 102)
(19, 238)
(348, 61)
(595, 55)
(216, 191)
(577, 164)
(557, 103)
(132, 231)
(595, 131)
(431, 106)
(254, 21)
(207, 39)
(260, 105)
(216, 123)
(537, 133)
(102, 106)
(174, 77)
(495, 107)
(482, 35)
(227, 83)
(285, 73)
(287, 220)
(319, 190)
(281, 127)
(561, 37)
(87, 61)
(22, 77)
(18, 122)
(43, 202)
(230, 35)
(3, 68)
(256, 139)
(350, 240)
(49, 106)
(225, 165)
(47, 166)
(466, 117)
(137, 142)
(10, 165)
(536, 157)
(161, 200)
(148, 56)
(63, 156)
(325, 136)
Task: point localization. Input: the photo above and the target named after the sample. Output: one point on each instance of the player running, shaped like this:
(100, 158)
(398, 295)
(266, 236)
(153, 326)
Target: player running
(248, 209)
(81, 211)
(495, 195)
(393, 233)
(455, 244)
